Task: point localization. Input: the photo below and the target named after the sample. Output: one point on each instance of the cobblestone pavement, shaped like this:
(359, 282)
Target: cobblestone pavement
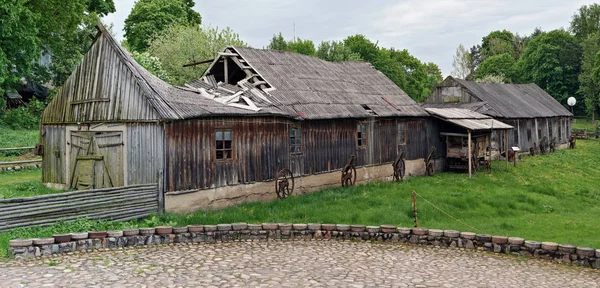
(293, 264)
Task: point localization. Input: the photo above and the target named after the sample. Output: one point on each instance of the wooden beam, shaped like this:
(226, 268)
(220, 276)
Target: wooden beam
(199, 63)
(227, 54)
(17, 148)
(469, 151)
(226, 69)
(90, 101)
(506, 146)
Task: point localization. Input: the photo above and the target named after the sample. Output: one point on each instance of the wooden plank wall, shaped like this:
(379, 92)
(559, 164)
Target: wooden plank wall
(145, 152)
(102, 88)
(119, 204)
(261, 148)
(53, 162)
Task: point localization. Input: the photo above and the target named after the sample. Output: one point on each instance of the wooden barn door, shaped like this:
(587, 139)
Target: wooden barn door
(96, 160)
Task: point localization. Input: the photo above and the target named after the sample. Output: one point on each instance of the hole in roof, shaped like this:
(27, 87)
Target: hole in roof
(368, 109)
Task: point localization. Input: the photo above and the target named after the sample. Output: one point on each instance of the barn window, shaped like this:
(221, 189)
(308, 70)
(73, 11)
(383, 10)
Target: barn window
(560, 124)
(401, 133)
(528, 134)
(550, 129)
(361, 135)
(516, 136)
(539, 133)
(295, 140)
(224, 150)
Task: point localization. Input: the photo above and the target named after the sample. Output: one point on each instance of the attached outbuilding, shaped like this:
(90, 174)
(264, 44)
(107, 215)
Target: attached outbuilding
(224, 138)
(535, 115)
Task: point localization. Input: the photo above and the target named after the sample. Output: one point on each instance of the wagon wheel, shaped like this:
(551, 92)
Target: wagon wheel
(399, 167)
(284, 184)
(430, 162)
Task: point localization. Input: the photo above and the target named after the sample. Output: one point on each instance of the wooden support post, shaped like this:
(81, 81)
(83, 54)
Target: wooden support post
(469, 152)
(414, 204)
(161, 192)
(506, 146)
(516, 156)
(226, 69)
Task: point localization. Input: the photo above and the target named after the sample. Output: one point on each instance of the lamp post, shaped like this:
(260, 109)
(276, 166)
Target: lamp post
(571, 101)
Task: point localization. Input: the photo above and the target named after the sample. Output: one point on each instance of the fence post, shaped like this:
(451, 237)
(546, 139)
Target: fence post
(161, 193)
(414, 204)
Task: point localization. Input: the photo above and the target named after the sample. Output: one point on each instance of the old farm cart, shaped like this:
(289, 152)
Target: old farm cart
(468, 137)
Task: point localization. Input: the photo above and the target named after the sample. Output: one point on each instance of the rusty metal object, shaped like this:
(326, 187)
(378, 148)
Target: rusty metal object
(349, 173)
(284, 185)
(544, 145)
(430, 161)
(399, 168)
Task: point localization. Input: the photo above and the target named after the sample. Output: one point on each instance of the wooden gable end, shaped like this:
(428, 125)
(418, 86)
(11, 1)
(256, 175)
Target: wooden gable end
(101, 89)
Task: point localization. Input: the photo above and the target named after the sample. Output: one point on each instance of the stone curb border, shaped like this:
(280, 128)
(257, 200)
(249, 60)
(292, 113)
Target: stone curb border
(165, 235)
(20, 167)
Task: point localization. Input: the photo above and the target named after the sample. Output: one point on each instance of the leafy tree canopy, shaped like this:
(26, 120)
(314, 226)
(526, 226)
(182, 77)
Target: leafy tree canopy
(179, 45)
(553, 61)
(586, 21)
(589, 84)
(362, 46)
(306, 47)
(498, 42)
(336, 51)
(502, 64)
(150, 17)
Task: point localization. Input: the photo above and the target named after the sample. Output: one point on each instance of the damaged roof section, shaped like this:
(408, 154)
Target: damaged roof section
(468, 119)
(302, 87)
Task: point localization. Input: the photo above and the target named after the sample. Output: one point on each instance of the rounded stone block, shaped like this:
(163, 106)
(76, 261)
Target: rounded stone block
(404, 230)
(420, 231)
(342, 227)
(388, 228)
(373, 229)
(566, 248)
(358, 228)
(180, 230)
(147, 231)
(328, 227)
(239, 226)
(210, 228)
(451, 233)
(516, 241)
(549, 246)
(285, 226)
(499, 239)
(314, 226)
(224, 227)
(532, 244)
(270, 226)
(97, 234)
(255, 227)
(79, 236)
(131, 232)
(164, 230)
(483, 237)
(586, 251)
(114, 234)
(20, 242)
(62, 238)
(195, 228)
(299, 227)
(43, 241)
(436, 232)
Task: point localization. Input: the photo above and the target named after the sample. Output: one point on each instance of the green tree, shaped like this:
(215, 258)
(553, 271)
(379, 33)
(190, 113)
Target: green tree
(499, 42)
(19, 44)
(362, 46)
(336, 51)
(278, 43)
(179, 45)
(586, 21)
(150, 17)
(306, 47)
(553, 61)
(462, 65)
(152, 64)
(589, 86)
(502, 64)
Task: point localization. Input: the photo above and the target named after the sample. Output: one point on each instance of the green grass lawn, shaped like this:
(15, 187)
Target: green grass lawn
(17, 138)
(581, 124)
(24, 183)
(546, 198)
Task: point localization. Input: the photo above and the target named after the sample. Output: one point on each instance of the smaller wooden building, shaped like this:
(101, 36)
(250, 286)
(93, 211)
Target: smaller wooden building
(534, 114)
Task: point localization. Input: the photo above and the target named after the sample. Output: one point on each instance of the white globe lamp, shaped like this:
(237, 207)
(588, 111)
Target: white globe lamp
(571, 101)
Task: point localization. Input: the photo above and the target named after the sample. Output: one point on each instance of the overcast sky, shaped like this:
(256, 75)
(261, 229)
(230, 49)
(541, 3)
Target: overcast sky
(429, 29)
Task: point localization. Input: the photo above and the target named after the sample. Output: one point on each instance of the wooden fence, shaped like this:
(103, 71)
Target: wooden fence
(119, 204)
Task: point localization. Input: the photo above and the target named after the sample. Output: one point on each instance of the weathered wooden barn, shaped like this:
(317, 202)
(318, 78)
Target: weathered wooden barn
(222, 139)
(532, 112)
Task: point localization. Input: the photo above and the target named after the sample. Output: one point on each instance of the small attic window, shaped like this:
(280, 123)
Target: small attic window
(369, 110)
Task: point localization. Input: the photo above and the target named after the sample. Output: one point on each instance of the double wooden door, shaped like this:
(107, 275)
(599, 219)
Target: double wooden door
(96, 160)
